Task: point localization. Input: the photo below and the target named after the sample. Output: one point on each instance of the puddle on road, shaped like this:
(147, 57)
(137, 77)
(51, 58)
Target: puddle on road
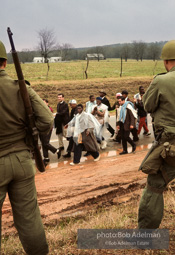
(105, 154)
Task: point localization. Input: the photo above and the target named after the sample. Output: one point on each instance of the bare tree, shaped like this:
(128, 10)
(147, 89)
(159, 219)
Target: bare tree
(142, 48)
(64, 50)
(47, 42)
(125, 51)
(135, 50)
(138, 50)
(154, 51)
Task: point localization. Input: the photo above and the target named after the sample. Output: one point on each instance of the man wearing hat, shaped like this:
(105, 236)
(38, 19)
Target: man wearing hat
(107, 103)
(158, 100)
(17, 171)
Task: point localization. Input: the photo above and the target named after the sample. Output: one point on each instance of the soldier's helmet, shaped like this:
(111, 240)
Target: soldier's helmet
(3, 53)
(168, 50)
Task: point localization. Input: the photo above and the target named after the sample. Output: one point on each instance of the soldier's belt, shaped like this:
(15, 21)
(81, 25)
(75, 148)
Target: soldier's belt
(164, 152)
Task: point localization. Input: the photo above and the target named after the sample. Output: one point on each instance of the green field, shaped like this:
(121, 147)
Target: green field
(74, 70)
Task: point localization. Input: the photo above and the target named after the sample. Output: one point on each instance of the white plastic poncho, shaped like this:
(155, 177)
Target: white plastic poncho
(80, 123)
(104, 121)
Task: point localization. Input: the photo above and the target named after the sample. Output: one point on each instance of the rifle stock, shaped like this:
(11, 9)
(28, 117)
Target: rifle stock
(27, 104)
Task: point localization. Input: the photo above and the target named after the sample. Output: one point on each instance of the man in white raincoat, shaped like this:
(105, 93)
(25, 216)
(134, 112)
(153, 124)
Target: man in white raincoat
(84, 129)
(100, 112)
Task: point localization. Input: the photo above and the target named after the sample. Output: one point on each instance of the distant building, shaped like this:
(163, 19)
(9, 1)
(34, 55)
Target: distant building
(38, 60)
(95, 56)
(50, 60)
(55, 59)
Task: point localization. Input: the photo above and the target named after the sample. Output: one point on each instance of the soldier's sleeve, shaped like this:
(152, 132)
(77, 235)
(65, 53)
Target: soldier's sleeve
(151, 97)
(43, 116)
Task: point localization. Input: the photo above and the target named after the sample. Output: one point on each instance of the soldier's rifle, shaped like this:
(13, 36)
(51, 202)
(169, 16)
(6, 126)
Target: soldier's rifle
(27, 104)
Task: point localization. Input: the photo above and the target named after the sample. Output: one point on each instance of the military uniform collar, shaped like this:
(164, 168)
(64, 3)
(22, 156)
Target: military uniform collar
(172, 69)
(3, 72)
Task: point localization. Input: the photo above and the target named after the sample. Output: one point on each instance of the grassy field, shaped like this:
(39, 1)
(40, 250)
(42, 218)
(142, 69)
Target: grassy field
(74, 70)
(69, 78)
(62, 236)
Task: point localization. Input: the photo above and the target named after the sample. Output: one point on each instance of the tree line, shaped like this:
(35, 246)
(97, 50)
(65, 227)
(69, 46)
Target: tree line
(48, 47)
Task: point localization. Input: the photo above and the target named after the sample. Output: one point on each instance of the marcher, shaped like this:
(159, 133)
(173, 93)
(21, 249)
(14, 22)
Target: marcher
(90, 104)
(47, 103)
(116, 106)
(137, 98)
(138, 95)
(142, 116)
(17, 171)
(134, 130)
(45, 141)
(100, 112)
(127, 122)
(73, 105)
(61, 119)
(159, 101)
(107, 103)
(86, 129)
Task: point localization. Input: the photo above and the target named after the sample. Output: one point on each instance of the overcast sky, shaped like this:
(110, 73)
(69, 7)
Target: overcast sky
(84, 23)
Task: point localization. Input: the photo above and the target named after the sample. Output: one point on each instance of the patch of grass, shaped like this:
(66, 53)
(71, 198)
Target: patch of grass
(62, 237)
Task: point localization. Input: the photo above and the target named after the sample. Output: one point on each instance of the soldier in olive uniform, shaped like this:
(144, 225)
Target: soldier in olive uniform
(17, 170)
(159, 101)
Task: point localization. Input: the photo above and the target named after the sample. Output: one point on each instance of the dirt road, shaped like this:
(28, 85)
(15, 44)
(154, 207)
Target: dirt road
(65, 190)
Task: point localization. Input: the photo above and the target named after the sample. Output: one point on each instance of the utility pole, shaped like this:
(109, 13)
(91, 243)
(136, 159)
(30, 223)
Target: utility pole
(121, 67)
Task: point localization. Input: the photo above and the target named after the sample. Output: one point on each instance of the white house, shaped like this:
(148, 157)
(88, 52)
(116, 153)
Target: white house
(55, 59)
(95, 56)
(38, 60)
(50, 60)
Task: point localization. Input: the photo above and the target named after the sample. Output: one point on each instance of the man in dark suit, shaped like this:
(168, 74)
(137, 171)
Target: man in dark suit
(73, 105)
(127, 123)
(61, 119)
(107, 103)
(134, 130)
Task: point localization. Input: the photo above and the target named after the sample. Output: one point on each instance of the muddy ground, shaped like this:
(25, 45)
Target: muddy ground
(66, 190)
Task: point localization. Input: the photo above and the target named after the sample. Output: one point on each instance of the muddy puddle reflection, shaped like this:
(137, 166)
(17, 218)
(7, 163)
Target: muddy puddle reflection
(105, 154)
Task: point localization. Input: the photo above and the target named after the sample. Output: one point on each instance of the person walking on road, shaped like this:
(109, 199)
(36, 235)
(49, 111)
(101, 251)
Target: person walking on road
(45, 141)
(73, 105)
(134, 130)
(100, 112)
(61, 119)
(107, 103)
(90, 104)
(142, 116)
(86, 129)
(127, 122)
